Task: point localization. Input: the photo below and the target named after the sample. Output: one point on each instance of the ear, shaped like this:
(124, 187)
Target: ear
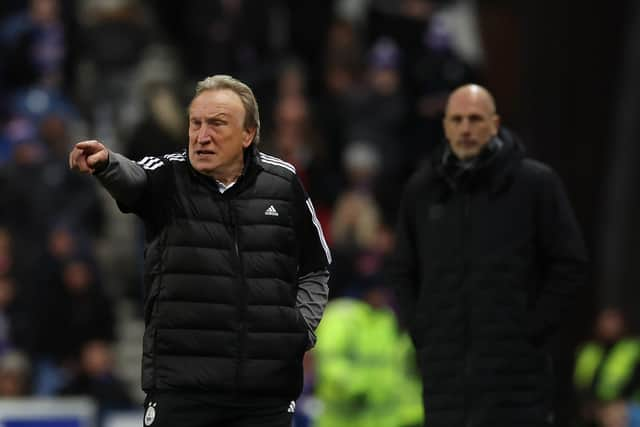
(247, 137)
(496, 123)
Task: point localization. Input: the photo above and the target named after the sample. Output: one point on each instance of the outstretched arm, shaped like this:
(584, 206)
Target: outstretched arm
(124, 179)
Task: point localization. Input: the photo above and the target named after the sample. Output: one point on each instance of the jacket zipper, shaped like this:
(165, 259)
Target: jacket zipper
(242, 300)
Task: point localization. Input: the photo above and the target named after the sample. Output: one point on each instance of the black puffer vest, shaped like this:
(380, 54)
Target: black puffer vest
(221, 287)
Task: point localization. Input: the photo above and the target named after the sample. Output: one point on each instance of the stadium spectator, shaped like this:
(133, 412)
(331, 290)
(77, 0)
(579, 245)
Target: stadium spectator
(15, 371)
(365, 364)
(607, 368)
(96, 378)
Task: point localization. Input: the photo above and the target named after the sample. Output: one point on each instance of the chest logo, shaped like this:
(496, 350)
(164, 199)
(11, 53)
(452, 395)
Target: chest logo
(271, 211)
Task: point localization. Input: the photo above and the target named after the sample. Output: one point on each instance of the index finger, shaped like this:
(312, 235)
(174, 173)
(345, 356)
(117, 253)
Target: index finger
(87, 144)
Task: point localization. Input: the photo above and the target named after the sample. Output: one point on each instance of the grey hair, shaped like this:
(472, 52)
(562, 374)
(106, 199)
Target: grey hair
(223, 81)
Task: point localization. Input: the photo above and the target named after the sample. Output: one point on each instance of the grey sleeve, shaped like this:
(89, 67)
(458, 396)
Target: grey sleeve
(312, 297)
(124, 179)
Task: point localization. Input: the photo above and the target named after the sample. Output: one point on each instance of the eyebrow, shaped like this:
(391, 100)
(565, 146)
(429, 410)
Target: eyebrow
(219, 115)
(460, 115)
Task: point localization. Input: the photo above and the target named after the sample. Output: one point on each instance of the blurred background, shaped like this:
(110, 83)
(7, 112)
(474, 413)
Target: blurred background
(352, 93)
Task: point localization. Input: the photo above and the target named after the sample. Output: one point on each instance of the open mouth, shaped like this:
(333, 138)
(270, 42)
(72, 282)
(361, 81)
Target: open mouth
(205, 152)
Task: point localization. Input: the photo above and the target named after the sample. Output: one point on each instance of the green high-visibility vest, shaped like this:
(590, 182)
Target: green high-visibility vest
(616, 367)
(365, 369)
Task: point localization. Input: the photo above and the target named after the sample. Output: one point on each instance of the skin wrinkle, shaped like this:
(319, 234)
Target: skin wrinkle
(217, 136)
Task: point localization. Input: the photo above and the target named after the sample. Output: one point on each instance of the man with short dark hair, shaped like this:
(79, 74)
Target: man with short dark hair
(236, 267)
(489, 258)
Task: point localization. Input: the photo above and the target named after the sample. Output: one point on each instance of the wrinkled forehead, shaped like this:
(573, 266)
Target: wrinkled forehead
(217, 101)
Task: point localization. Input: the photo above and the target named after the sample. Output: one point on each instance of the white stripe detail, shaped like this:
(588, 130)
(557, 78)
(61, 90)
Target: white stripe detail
(144, 160)
(276, 159)
(153, 163)
(150, 163)
(271, 162)
(314, 218)
(178, 157)
(148, 160)
(269, 156)
(152, 167)
(277, 162)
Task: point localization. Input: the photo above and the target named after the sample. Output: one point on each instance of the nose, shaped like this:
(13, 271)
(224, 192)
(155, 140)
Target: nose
(203, 137)
(465, 126)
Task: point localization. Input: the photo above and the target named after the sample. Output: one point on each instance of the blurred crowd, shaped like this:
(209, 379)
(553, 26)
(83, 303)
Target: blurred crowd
(351, 92)
(607, 374)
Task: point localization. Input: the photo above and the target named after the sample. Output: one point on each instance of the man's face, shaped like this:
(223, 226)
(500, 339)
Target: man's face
(469, 123)
(217, 135)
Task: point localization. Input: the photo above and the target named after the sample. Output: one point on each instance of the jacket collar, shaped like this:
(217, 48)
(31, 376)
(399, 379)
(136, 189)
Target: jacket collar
(494, 167)
(249, 171)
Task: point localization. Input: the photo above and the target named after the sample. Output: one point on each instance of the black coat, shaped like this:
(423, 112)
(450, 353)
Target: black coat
(487, 262)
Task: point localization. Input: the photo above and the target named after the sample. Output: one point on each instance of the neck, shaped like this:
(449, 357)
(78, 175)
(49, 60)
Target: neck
(230, 175)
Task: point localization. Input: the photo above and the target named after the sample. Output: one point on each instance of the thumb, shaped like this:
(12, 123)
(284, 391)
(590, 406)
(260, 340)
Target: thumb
(98, 160)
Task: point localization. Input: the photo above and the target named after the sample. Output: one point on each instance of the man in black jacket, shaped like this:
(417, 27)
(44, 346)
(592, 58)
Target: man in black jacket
(236, 267)
(489, 257)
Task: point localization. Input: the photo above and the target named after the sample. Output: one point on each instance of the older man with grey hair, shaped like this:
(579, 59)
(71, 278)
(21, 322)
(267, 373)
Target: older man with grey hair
(236, 266)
